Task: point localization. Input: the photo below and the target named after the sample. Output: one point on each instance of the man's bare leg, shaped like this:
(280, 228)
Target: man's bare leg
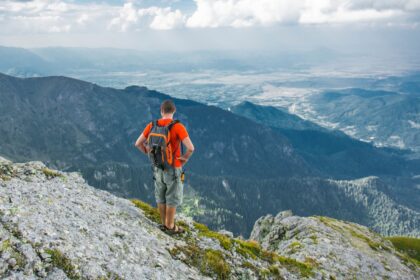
(170, 217)
(162, 211)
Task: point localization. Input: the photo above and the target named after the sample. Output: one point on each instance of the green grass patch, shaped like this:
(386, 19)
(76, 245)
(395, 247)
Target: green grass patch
(248, 265)
(215, 262)
(225, 241)
(314, 238)
(294, 247)
(210, 262)
(407, 245)
(253, 249)
(184, 225)
(272, 272)
(51, 174)
(248, 248)
(5, 245)
(304, 269)
(150, 212)
(61, 261)
(372, 244)
(5, 177)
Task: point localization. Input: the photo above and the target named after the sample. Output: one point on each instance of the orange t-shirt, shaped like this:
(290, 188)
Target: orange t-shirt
(178, 133)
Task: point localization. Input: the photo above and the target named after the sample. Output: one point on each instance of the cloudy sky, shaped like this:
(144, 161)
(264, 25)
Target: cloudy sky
(211, 24)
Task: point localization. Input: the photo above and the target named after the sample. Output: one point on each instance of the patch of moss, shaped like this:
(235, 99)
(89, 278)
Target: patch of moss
(263, 273)
(61, 261)
(5, 178)
(372, 244)
(330, 223)
(150, 212)
(311, 262)
(268, 256)
(248, 248)
(184, 225)
(6, 170)
(407, 245)
(51, 174)
(200, 227)
(314, 238)
(210, 262)
(304, 269)
(274, 270)
(225, 241)
(294, 246)
(215, 262)
(408, 260)
(20, 259)
(112, 276)
(249, 265)
(5, 244)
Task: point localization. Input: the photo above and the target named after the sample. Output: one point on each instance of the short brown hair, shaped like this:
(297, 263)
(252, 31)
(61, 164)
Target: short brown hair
(168, 107)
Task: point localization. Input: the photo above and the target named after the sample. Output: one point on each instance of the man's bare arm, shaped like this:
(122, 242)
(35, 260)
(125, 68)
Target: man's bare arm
(190, 149)
(140, 144)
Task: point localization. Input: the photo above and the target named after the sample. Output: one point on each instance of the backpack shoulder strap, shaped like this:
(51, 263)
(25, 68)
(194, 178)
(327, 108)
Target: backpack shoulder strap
(173, 123)
(154, 123)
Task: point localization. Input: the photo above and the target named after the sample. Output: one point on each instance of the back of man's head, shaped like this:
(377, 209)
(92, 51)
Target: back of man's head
(168, 107)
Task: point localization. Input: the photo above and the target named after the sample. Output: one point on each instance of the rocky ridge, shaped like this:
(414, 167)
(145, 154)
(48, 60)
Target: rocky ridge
(338, 249)
(55, 226)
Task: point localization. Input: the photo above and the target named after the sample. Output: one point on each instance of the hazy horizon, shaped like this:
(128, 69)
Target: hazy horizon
(369, 27)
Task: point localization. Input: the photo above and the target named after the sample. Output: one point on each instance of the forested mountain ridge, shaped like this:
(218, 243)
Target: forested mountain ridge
(68, 122)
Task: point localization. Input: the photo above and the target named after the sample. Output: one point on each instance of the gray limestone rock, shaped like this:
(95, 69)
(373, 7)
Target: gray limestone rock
(55, 226)
(337, 249)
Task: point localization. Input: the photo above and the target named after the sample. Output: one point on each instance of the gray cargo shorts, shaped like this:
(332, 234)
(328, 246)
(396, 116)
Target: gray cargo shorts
(168, 186)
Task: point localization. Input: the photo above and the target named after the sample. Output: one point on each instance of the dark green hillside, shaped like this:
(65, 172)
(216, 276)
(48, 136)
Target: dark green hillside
(332, 152)
(410, 246)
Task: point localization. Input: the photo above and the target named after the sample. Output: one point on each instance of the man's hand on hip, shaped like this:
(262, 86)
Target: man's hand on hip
(182, 159)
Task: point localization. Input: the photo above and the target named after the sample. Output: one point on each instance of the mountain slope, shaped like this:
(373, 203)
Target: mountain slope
(55, 226)
(272, 116)
(334, 153)
(68, 123)
(22, 62)
(382, 117)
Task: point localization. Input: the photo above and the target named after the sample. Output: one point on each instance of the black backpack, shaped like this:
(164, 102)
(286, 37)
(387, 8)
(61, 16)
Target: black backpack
(160, 151)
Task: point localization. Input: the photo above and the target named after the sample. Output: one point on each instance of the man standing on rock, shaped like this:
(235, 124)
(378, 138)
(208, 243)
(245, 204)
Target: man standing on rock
(162, 141)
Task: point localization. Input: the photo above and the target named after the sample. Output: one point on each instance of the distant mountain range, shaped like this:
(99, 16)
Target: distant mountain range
(65, 60)
(331, 151)
(386, 118)
(241, 170)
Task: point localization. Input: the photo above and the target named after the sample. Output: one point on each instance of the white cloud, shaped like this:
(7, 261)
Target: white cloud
(343, 12)
(52, 16)
(166, 19)
(127, 17)
(155, 17)
(243, 13)
(45, 16)
(83, 19)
